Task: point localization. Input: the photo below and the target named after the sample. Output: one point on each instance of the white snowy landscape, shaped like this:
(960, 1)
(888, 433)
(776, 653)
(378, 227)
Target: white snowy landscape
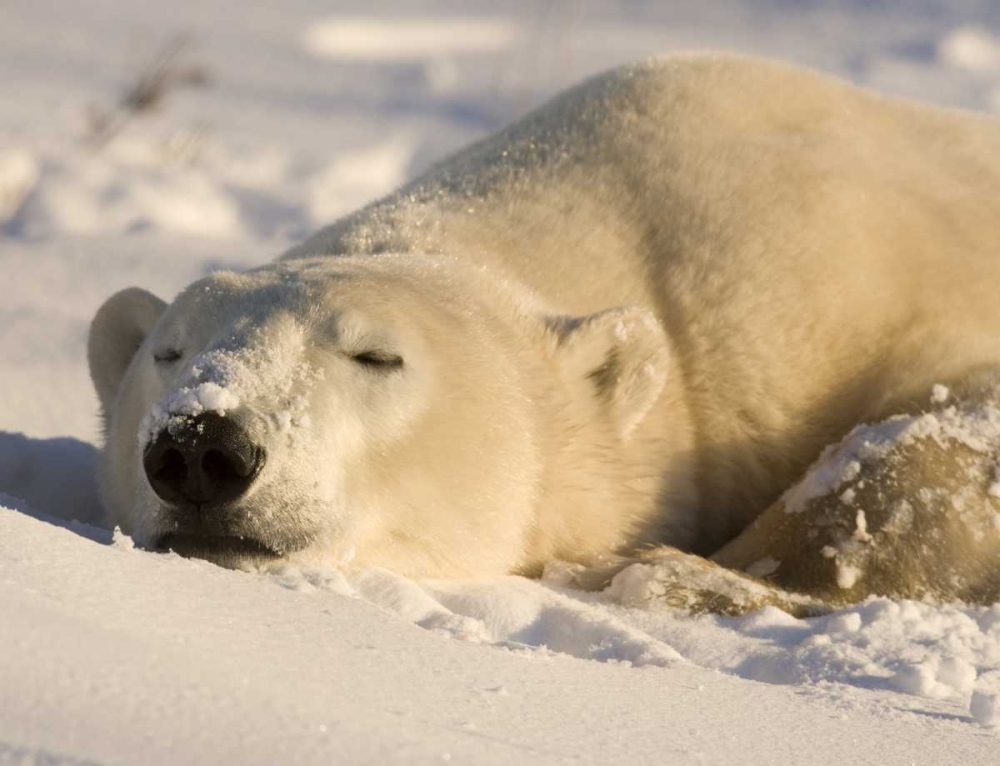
(254, 125)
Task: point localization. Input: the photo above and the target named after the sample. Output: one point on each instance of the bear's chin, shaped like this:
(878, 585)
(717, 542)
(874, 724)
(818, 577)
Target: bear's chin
(228, 551)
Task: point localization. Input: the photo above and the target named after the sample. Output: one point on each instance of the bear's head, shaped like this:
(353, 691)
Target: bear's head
(408, 412)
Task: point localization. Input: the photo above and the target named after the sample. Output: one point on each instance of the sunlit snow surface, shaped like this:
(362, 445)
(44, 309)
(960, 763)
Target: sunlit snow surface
(112, 654)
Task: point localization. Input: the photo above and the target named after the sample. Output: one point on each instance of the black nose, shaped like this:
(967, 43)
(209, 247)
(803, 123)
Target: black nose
(209, 460)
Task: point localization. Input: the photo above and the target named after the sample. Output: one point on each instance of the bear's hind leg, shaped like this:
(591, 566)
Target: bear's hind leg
(907, 508)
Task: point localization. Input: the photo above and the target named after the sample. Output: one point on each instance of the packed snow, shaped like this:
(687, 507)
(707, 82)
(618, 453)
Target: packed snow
(114, 654)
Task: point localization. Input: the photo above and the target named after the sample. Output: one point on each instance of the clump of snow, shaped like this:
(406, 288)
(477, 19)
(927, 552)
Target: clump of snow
(214, 397)
(847, 575)
(121, 540)
(861, 530)
(846, 622)
(179, 406)
(985, 708)
(832, 470)
(939, 394)
(935, 677)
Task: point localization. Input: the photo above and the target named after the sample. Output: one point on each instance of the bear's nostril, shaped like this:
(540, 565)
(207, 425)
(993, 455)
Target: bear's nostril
(227, 474)
(167, 471)
(172, 469)
(219, 467)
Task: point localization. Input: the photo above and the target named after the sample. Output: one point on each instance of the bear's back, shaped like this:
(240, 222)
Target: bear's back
(698, 162)
(819, 255)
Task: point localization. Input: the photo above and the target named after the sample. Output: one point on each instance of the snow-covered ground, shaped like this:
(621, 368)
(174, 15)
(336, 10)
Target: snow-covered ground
(112, 654)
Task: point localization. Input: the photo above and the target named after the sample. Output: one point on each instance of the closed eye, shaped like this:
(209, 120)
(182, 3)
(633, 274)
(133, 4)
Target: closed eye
(380, 361)
(166, 356)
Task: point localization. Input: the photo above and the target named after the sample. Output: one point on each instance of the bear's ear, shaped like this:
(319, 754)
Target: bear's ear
(118, 329)
(622, 354)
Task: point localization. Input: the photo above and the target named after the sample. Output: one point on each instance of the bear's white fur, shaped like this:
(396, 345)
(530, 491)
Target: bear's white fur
(635, 317)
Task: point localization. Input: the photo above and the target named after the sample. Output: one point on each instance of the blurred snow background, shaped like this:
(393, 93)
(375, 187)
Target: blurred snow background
(147, 143)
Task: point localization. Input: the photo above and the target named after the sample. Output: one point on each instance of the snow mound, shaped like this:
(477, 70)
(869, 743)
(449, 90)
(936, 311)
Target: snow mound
(114, 654)
(910, 647)
(319, 663)
(923, 650)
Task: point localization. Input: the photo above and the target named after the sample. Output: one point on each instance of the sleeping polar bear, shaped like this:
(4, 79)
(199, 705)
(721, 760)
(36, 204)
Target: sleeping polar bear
(618, 330)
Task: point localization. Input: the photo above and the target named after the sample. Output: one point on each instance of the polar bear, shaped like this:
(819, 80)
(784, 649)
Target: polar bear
(634, 318)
